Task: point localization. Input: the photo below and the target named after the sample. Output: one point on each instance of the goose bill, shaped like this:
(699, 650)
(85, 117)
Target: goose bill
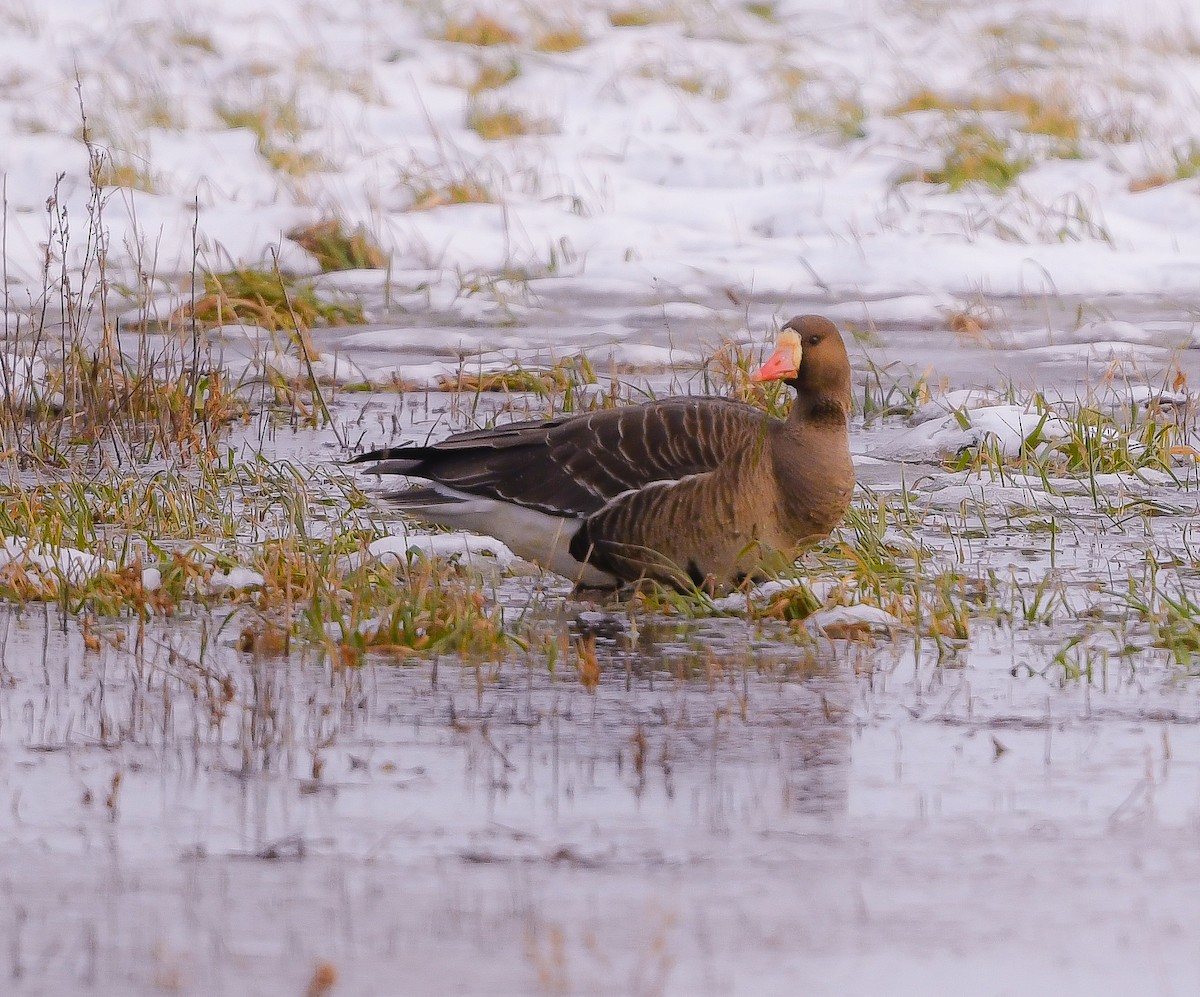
(783, 365)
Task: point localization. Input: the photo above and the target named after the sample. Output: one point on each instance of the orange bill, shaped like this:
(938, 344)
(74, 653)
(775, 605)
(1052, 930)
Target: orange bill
(782, 365)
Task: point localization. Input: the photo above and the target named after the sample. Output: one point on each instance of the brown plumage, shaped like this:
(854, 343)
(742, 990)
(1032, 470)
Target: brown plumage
(686, 491)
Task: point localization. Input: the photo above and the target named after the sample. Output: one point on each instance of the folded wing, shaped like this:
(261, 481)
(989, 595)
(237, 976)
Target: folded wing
(575, 465)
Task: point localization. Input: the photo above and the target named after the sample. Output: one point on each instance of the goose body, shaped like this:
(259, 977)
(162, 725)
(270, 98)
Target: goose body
(686, 491)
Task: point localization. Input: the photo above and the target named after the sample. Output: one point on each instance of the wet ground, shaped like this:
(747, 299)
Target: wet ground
(722, 815)
(734, 809)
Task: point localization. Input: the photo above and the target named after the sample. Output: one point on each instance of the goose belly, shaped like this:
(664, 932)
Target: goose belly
(530, 534)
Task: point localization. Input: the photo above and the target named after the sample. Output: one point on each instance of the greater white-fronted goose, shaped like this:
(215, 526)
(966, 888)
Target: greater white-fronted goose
(686, 491)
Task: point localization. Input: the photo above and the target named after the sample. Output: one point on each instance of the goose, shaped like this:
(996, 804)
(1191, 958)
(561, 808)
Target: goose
(688, 491)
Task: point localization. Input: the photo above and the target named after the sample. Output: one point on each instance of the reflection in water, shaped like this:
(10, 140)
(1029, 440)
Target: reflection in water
(191, 744)
(189, 817)
(687, 731)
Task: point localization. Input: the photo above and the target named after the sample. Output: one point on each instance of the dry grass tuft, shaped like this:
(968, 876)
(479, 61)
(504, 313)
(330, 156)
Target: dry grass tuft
(638, 17)
(1052, 113)
(503, 122)
(1185, 164)
(277, 125)
(480, 30)
(568, 39)
(106, 173)
(976, 154)
(465, 191)
(493, 76)
(271, 300)
(337, 249)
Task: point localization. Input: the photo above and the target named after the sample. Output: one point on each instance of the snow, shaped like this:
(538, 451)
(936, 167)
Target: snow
(474, 550)
(782, 176)
(1008, 428)
(837, 618)
(64, 564)
(735, 602)
(236, 579)
(324, 367)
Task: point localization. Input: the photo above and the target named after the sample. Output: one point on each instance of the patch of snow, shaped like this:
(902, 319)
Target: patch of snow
(736, 602)
(68, 564)
(1116, 332)
(952, 401)
(1007, 427)
(1147, 395)
(472, 549)
(236, 579)
(635, 185)
(326, 368)
(865, 617)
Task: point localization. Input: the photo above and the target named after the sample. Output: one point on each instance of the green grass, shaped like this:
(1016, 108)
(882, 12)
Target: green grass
(146, 459)
(564, 39)
(697, 81)
(638, 16)
(844, 117)
(268, 299)
(1096, 442)
(1052, 113)
(277, 124)
(975, 155)
(129, 175)
(762, 10)
(430, 192)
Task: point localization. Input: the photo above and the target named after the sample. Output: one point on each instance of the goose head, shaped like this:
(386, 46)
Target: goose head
(810, 357)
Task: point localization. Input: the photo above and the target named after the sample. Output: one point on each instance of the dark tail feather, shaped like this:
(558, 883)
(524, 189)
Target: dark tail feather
(392, 453)
(393, 460)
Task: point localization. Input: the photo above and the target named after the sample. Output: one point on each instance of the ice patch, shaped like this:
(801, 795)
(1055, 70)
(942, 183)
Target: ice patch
(906, 309)
(1115, 332)
(326, 368)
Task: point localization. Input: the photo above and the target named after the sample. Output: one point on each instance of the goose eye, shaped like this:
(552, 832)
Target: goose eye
(814, 340)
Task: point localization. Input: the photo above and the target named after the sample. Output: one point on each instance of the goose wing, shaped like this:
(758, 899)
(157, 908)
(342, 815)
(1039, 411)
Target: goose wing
(575, 465)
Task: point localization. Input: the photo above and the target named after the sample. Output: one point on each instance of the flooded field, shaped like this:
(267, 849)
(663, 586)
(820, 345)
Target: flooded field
(260, 736)
(992, 786)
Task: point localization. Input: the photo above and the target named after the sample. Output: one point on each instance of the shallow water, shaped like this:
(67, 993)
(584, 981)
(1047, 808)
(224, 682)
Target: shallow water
(724, 814)
(733, 810)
